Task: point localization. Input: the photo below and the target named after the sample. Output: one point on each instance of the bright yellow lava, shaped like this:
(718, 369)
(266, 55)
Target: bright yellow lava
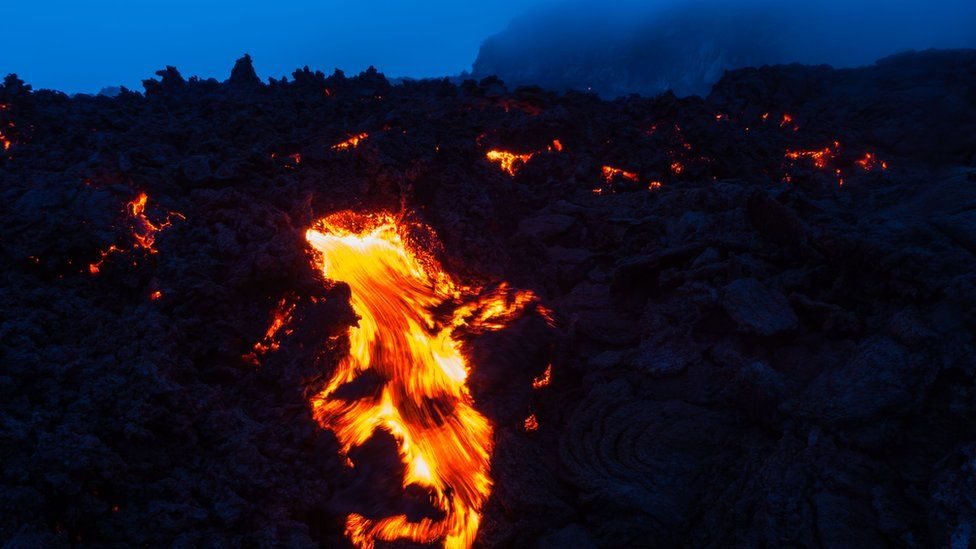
(444, 443)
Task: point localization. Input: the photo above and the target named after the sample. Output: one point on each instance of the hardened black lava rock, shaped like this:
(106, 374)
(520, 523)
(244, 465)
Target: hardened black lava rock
(763, 321)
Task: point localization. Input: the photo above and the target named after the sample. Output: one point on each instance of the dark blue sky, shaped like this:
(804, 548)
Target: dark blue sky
(81, 46)
(84, 45)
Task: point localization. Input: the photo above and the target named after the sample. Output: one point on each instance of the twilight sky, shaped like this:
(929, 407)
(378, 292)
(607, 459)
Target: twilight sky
(83, 45)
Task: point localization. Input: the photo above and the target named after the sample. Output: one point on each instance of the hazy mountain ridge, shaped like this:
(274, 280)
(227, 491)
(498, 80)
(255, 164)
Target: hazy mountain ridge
(686, 48)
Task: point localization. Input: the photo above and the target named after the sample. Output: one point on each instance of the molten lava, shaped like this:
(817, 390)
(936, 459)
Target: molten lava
(443, 442)
(870, 162)
(509, 162)
(610, 174)
(544, 380)
(5, 141)
(281, 317)
(143, 230)
(820, 157)
(350, 143)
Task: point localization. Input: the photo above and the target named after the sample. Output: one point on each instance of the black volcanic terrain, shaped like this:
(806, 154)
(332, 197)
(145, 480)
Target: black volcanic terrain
(763, 306)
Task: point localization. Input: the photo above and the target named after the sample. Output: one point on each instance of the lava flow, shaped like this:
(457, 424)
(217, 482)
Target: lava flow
(443, 442)
(509, 162)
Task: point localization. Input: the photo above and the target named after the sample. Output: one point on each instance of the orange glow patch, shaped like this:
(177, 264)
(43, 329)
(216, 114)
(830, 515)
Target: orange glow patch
(509, 162)
(350, 143)
(610, 174)
(444, 444)
(143, 230)
(5, 141)
(677, 168)
(155, 296)
(280, 318)
(870, 162)
(531, 423)
(96, 267)
(654, 185)
(819, 157)
(544, 380)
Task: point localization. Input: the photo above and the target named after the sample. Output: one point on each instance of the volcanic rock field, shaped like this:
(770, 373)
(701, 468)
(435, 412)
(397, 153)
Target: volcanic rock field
(755, 319)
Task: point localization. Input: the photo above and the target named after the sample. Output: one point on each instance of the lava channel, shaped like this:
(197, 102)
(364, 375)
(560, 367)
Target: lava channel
(444, 444)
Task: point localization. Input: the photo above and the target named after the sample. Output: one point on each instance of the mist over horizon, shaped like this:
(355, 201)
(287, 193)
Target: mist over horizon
(612, 48)
(631, 47)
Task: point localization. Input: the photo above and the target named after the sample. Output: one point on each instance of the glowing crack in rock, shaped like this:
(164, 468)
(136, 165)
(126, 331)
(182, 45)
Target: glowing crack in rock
(509, 162)
(444, 443)
(820, 157)
(350, 143)
(281, 318)
(544, 380)
(870, 162)
(610, 174)
(143, 230)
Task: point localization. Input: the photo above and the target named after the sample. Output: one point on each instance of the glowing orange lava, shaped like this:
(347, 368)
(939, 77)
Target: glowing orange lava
(143, 230)
(444, 444)
(610, 174)
(281, 317)
(350, 143)
(511, 162)
(871, 162)
(5, 141)
(508, 161)
(531, 423)
(544, 380)
(820, 157)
